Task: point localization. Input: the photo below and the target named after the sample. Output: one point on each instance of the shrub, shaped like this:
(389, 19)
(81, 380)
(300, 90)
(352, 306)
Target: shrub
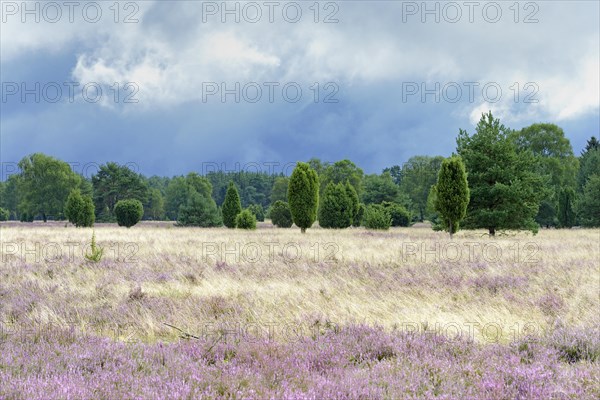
(87, 217)
(377, 217)
(360, 214)
(4, 214)
(452, 191)
(97, 251)
(231, 206)
(26, 217)
(199, 211)
(258, 211)
(353, 197)
(303, 196)
(79, 210)
(128, 212)
(400, 215)
(336, 209)
(281, 215)
(246, 220)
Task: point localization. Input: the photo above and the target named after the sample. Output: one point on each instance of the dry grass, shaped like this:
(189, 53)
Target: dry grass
(406, 278)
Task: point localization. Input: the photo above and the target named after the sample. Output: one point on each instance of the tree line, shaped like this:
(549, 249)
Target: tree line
(497, 179)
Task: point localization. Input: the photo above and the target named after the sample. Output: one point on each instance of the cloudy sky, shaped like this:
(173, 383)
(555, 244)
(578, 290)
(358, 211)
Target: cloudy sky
(177, 86)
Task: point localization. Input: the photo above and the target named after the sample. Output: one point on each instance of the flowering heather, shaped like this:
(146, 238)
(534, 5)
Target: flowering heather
(197, 313)
(355, 362)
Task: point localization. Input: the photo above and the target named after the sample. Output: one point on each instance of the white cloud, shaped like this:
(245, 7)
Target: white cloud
(171, 55)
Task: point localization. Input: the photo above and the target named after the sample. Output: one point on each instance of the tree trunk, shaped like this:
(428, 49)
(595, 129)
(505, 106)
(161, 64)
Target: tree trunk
(44, 217)
(492, 231)
(303, 230)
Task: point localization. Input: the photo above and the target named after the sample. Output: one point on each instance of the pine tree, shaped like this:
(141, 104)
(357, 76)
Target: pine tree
(504, 186)
(232, 205)
(353, 196)
(336, 210)
(199, 210)
(74, 206)
(452, 193)
(79, 209)
(566, 212)
(303, 196)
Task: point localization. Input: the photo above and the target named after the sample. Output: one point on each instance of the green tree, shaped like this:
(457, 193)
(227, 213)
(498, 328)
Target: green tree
(376, 217)
(318, 165)
(258, 211)
(452, 193)
(10, 195)
(336, 209)
(303, 196)
(74, 206)
(354, 203)
(589, 206)
(128, 212)
(379, 188)
(505, 188)
(155, 208)
(44, 185)
(279, 190)
(88, 212)
(79, 209)
(246, 220)
(546, 215)
(176, 195)
(396, 173)
(115, 182)
(587, 184)
(566, 208)
(4, 214)
(341, 172)
(231, 206)
(431, 214)
(281, 215)
(358, 219)
(400, 215)
(199, 210)
(589, 163)
(554, 160)
(419, 174)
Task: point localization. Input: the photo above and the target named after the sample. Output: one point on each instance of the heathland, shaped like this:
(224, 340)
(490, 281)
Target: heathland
(189, 312)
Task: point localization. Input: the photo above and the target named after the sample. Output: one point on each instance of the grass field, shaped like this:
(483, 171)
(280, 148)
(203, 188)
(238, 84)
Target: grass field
(185, 312)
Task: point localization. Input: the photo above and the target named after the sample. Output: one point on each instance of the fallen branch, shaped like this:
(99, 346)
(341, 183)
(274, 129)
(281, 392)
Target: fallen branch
(186, 335)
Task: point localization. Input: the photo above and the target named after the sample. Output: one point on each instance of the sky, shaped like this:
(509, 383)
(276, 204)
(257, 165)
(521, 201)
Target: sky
(170, 87)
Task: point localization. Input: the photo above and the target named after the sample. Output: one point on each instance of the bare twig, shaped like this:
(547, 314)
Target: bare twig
(186, 335)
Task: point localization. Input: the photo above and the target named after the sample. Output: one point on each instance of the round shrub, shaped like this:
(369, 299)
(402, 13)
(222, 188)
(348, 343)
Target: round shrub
(377, 217)
(128, 212)
(281, 215)
(4, 214)
(400, 215)
(246, 220)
